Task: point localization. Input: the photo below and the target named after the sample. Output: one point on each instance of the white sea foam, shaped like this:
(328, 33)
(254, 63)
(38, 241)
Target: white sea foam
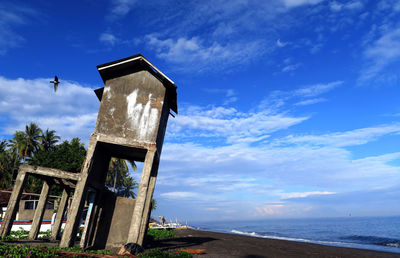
(254, 234)
(329, 243)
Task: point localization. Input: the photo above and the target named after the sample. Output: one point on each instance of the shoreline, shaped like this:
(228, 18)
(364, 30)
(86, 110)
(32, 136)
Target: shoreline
(370, 247)
(217, 244)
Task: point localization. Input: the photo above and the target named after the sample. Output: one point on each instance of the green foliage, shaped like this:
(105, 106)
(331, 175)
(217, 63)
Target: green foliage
(23, 234)
(45, 234)
(19, 234)
(39, 148)
(67, 156)
(18, 250)
(9, 163)
(49, 139)
(22, 147)
(156, 253)
(25, 143)
(160, 234)
(153, 204)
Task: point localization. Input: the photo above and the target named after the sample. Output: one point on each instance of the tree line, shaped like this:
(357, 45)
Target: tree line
(33, 146)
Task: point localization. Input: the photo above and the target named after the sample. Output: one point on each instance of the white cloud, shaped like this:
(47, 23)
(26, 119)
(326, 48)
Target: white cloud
(108, 38)
(196, 54)
(348, 138)
(11, 17)
(310, 101)
(279, 43)
(254, 175)
(237, 127)
(296, 3)
(71, 111)
(120, 8)
(290, 68)
(352, 5)
(271, 209)
(305, 95)
(381, 54)
(179, 195)
(303, 194)
(317, 89)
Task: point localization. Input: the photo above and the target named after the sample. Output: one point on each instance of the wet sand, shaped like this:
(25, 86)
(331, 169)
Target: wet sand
(231, 245)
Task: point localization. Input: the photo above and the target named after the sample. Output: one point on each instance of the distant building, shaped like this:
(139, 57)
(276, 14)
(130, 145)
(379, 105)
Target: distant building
(27, 206)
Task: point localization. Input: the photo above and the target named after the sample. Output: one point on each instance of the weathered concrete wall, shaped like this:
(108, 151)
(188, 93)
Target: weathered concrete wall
(131, 107)
(28, 214)
(121, 222)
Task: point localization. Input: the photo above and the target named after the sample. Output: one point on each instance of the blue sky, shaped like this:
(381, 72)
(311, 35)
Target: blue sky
(287, 108)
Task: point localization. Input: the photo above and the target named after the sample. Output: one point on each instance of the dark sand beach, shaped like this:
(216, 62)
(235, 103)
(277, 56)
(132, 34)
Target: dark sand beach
(231, 245)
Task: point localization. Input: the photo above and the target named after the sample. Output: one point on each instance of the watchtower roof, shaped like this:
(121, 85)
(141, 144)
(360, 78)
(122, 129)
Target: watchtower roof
(134, 64)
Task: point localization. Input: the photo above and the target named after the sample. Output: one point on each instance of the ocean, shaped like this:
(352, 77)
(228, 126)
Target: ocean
(373, 233)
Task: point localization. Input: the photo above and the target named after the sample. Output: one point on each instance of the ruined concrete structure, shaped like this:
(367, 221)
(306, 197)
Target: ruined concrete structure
(134, 108)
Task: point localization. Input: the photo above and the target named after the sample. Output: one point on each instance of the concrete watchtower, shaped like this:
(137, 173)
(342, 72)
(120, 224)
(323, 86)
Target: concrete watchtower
(134, 108)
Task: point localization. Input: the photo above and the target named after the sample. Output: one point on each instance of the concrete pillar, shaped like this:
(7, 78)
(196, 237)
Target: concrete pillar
(74, 215)
(38, 217)
(149, 198)
(13, 204)
(89, 218)
(75, 211)
(55, 231)
(89, 239)
(134, 231)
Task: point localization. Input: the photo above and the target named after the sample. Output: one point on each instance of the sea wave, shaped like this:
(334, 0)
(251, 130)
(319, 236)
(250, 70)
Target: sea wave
(254, 234)
(374, 240)
(349, 241)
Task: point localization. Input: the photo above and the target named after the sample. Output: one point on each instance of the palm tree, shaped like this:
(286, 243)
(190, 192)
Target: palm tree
(25, 143)
(18, 143)
(49, 139)
(32, 137)
(8, 164)
(128, 185)
(3, 145)
(118, 177)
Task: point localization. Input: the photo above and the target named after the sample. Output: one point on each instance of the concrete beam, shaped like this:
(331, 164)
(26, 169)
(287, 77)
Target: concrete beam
(38, 217)
(124, 141)
(49, 172)
(13, 204)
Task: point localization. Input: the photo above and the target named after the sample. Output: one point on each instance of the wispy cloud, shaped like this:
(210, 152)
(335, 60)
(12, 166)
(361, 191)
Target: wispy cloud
(197, 54)
(280, 43)
(291, 67)
(120, 8)
(237, 127)
(305, 95)
(348, 138)
(108, 39)
(336, 6)
(380, 54)
(310, 101)
(11, 17)
(296, 3)
(179, 195)
(317, 89)
(303, 194)
(230, 94)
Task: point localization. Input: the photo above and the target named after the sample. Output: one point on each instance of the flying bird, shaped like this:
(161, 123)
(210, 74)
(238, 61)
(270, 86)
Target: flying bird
(56, 82)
